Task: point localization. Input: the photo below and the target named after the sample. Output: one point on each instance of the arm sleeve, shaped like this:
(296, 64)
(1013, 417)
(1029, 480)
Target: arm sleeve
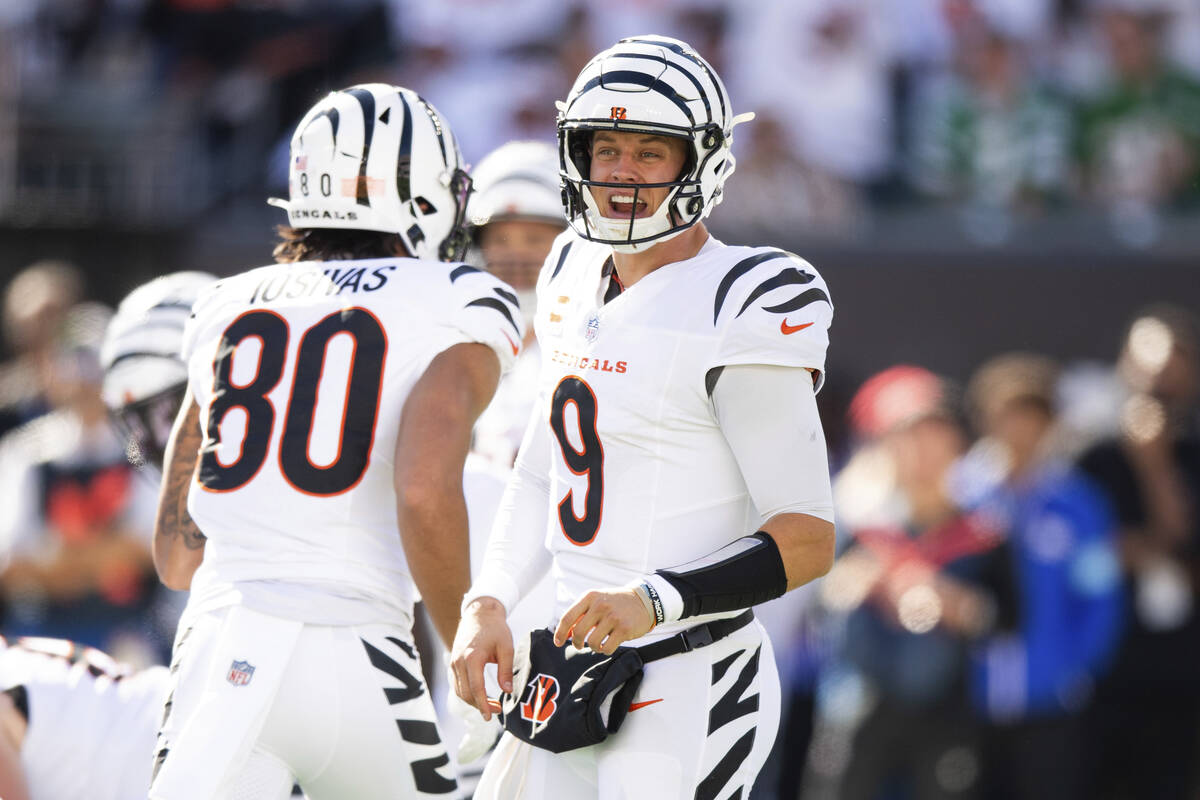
(769, 417)
(516, 555)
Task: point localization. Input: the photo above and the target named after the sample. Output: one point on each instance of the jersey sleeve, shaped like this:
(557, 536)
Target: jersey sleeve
(486, 310)
(192, 328)
(772, 308)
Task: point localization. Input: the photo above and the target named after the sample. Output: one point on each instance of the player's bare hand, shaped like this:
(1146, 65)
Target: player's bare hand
(482, 638)
(603, 620)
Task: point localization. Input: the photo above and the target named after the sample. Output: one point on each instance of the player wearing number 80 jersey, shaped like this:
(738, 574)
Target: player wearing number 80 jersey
(677, 447)
(320, 455)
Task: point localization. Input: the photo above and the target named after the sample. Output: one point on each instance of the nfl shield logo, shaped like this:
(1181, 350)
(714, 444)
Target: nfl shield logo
(593, 328)
(240, 673)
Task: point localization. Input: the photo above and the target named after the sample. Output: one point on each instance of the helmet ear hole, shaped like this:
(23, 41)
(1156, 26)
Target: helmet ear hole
(714, 138)
(695, 206)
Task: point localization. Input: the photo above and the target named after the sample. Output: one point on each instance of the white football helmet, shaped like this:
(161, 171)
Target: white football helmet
(144, 376)
(517, 181)
(379, 158)
(656, 85)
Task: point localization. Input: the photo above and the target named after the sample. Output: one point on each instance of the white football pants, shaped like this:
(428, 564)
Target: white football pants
(261, 702)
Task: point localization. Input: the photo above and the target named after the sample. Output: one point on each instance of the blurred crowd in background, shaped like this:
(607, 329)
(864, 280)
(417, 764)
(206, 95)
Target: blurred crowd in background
(1013, 610)
(1003, 108)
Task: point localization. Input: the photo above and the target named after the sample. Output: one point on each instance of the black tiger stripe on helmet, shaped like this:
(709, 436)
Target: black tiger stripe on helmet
(365, 158)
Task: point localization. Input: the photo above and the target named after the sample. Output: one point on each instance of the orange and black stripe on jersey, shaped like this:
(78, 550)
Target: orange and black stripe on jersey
(789, 276)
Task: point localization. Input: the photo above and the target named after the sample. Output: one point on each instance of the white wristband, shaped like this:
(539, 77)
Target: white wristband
(668, 595)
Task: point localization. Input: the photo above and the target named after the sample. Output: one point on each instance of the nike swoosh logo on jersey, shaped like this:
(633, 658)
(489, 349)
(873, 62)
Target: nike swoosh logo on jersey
(786, 329)
(513, 344)
(636, 706)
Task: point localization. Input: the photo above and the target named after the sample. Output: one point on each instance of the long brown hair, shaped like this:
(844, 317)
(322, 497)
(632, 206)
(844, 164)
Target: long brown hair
(334, 244)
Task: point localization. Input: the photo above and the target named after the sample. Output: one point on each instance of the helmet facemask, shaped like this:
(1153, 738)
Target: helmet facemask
(646, 85)
(682, 208)
(454, 247)
(145, 425)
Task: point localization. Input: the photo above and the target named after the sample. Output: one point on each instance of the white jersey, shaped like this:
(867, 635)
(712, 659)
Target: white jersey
(641, 477)
(501, 426)
(92, 723)
(301, 372)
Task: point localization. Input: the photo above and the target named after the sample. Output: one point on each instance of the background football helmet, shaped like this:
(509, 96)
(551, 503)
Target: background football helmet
(517, 181)
(144, 377)
(656, 85)
(379, 158)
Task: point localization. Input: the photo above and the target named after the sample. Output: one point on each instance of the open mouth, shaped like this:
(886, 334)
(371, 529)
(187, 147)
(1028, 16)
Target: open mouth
(624, 206)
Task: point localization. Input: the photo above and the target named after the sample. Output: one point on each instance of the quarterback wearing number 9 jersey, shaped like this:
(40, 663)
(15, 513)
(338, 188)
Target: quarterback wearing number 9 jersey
(313, 482)
(675, 473)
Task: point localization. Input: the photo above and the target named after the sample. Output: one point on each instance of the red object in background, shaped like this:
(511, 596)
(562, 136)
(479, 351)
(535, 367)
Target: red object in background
(896, 396)
(962, 536)
(83, 509)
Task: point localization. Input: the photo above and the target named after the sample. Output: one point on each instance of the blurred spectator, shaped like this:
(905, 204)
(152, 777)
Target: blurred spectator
(921, 588)
(1139, 138)
(74, 517)
(1034, 683)
(1147, 715)
(507, 65)
(1090, 396)
(701, 23)
(774, 187)
(250, 69)
(818, 69)
(34, 305)
(987, 135)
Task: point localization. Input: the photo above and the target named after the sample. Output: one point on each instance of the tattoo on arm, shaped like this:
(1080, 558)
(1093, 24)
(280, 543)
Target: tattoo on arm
(173, 516)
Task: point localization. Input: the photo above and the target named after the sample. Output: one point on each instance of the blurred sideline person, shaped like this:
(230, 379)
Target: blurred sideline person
(35, 304)
(920, 583)
(663, 352)
(1146, 717)
(516, 213)
(74, 723)
(75, 521)
(1034, 685)
(313, 478)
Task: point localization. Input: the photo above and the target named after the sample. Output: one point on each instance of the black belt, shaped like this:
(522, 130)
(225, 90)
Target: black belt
(699, 636)
(20, 699)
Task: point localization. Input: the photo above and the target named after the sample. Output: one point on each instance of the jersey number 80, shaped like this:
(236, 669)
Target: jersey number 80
(358, 418)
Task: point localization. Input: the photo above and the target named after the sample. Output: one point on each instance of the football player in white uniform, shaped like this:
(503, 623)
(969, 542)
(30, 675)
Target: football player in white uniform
(144, 377)
(677, 448)
(516, 213)
(313, 480)
(74, 723)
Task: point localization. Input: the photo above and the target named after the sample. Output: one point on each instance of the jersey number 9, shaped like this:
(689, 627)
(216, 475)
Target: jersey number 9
(587, 460)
